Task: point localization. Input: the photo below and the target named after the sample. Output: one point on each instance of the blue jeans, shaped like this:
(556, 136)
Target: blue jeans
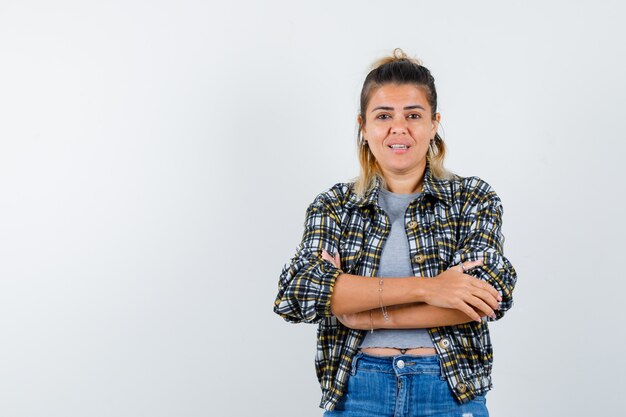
(401, 386)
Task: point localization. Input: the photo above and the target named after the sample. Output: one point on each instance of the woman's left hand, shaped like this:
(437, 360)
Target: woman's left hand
(360, 320)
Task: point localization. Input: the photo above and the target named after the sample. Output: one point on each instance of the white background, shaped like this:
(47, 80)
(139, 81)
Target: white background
(157, 158)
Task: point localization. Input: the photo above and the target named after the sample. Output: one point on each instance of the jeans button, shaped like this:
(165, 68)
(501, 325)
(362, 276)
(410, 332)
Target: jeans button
(400, 364)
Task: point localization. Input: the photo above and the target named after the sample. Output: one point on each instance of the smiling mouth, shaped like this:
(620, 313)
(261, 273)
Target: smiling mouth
(399, 146)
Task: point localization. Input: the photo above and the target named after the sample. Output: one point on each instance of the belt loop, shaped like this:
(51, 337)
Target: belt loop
(355, 359)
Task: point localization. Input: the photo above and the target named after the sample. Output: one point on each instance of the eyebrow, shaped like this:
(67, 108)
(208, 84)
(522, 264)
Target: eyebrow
(414, 106)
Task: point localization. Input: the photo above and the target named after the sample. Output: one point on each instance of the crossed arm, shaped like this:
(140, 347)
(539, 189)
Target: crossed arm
(449, 299)
(313, 287)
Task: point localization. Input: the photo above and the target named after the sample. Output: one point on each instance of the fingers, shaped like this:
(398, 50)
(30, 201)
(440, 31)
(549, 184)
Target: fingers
(470, 295)
(488, 298)
(487, 287)
(478, 282)
(326, 256)
(335, 261)
(473, 305)
(482, 306)
(469, 311)
(467, 265)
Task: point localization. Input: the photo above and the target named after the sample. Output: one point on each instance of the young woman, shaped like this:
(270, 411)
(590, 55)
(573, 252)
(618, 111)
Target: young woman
(417, 267)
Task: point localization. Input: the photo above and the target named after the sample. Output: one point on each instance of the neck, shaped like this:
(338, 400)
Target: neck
(405, 183)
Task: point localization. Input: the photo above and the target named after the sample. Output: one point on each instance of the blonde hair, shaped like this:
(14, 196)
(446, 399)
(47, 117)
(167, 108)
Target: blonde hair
(397, 68)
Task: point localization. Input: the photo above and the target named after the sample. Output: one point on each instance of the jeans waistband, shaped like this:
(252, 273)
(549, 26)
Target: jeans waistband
(399, 364)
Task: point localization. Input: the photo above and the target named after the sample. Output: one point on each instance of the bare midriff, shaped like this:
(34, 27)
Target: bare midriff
(378, 351)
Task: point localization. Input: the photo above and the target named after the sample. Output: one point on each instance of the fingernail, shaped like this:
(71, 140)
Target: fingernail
(493, 316)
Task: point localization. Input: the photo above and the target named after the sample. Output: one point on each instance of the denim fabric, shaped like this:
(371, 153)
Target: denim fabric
(401, 386)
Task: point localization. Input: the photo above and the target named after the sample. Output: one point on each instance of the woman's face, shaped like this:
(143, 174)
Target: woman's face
(399, 127)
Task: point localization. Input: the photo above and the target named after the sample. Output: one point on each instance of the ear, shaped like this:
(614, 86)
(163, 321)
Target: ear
(359, 120)
(436, 121)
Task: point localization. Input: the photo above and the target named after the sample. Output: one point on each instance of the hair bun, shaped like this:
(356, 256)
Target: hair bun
(397, 55)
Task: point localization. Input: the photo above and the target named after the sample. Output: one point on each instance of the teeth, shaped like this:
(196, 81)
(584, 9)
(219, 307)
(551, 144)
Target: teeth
(398, 146)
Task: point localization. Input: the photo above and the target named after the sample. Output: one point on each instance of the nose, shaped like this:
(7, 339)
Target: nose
(399, 127)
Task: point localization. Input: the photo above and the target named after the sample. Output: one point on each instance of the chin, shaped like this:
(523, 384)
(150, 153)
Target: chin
(400, 169)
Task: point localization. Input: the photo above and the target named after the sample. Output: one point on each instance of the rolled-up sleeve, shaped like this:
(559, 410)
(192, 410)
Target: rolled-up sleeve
(483, 239)
(306, 282)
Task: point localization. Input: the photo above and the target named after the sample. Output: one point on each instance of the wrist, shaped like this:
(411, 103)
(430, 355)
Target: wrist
(420, 289)
(378, 318)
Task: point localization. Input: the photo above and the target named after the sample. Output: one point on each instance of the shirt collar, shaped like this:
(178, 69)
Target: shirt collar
(437, 188)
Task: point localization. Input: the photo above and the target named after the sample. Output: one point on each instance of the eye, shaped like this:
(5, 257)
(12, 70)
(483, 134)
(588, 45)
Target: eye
(383, 116)
(414, 116)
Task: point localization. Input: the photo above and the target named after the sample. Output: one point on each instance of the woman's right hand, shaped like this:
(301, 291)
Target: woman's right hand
(455, 289)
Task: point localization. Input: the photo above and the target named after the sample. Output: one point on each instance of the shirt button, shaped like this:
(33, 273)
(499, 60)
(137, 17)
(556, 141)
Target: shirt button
(400, 364)
(444, 343)
(461, 388)
(412, 224)
(419, 258)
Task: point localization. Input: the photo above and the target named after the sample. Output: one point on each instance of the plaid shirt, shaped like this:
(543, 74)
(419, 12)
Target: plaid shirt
(452, 221)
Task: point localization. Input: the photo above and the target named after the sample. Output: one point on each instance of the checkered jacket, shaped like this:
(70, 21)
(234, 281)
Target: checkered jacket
(451, 221)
